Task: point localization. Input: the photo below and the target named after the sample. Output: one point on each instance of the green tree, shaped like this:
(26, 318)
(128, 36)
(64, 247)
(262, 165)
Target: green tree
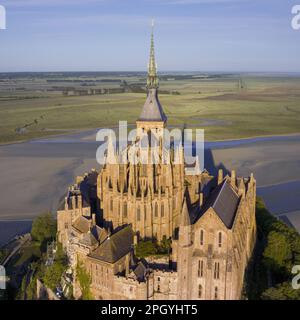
(277, 252)
(84, 280)
(146, 248)
(284, 291)
(53, 273)
(43, 228)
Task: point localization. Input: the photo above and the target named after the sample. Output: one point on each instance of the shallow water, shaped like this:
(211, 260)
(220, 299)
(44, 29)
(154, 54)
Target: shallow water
(10, 229)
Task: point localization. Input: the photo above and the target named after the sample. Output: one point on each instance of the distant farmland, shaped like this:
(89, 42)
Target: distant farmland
(226, 106)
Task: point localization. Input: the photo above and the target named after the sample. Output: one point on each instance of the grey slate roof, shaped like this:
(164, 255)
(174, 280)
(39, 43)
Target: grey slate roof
(185, 215)
(152, 110)
(99, 233)
(88, 239)
(224, 200)
(141, 270)
(82, 224)
(115, 247)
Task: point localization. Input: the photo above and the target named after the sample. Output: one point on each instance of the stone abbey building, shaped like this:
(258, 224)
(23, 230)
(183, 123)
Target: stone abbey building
(209, 220)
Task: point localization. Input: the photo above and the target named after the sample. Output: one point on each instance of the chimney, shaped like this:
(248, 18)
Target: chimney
(79, 201)
(94, 218)
(66, 204)
(73, 202)
(220, 176)
(233, 178)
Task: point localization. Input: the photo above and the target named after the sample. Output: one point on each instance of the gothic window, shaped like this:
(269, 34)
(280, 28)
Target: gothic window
(216, 293)
(217, 270)
(156, 210)
(162, 210)
(199, 291)
(125, 210)
(158, 288)
(138, 214)
(145, 211)
(111, 204)
(66, 225)
(220, 239)
(200, 268)
(201, 237)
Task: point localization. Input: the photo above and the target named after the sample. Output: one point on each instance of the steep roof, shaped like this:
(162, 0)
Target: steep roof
(115, 246)
(82, 224)
(185, 215)
(141, 270)
(88, 239)
(99, 233)
(152, 110)
(224, 200)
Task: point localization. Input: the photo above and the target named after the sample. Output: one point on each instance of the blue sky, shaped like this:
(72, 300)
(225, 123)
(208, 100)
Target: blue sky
(104, 35)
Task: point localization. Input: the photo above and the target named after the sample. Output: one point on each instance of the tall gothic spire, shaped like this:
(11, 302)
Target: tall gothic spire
(152, 110)
(152, 79)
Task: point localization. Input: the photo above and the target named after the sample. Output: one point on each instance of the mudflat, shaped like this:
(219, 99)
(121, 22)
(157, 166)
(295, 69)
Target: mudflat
(35, 175)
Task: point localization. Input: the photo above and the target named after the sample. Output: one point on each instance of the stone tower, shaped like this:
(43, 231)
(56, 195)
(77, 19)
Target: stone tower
(147, 193)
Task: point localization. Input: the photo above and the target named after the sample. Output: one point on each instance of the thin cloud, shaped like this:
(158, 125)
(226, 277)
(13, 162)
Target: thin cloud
(189, 2)
(47, 3)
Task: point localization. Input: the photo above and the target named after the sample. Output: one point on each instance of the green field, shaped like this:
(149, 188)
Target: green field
(262, 105)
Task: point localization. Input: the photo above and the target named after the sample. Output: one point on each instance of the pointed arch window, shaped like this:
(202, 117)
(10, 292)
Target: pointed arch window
(200, 268)
(217, 271)
(125, 210)
(216, 293)
(162, 210)
(156, 210)
(201, 237)
(199, 291)
(220, 239)
(138, 214)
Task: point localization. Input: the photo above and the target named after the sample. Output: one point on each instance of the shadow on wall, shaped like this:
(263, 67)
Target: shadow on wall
(211, 166)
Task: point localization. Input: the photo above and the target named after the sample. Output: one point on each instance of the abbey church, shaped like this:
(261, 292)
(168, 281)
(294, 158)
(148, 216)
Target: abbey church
(208, 221)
